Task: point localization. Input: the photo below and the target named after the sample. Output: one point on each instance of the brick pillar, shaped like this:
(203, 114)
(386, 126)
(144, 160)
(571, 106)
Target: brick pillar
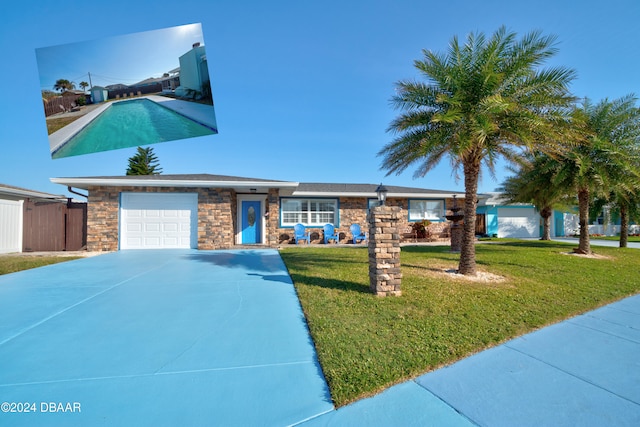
(384, 251)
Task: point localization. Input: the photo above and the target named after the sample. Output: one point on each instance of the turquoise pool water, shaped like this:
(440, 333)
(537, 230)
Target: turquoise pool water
(131, 124)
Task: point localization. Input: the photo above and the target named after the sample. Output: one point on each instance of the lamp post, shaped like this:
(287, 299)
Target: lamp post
(382, 194)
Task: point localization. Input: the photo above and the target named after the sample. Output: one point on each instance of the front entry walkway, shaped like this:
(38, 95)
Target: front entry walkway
(158, 338)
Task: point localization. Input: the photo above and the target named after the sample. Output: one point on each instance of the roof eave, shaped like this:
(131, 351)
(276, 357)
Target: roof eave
(374, 195)
(85, 183)
(30, 194)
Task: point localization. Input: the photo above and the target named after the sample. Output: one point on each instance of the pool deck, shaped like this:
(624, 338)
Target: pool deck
(201, 113)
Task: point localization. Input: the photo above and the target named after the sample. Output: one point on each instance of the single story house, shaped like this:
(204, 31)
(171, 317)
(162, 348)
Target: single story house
(214, 211)
(520, 220)
(35, 221)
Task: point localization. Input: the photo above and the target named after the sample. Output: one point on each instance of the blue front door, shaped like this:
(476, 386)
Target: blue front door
(251, 225)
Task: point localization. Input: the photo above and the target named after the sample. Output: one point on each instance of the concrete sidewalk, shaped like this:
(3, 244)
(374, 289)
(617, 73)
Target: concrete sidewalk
(584, 371)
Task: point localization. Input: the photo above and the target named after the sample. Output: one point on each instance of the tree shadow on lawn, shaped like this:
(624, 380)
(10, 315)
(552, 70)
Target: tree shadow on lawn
(341, 285)
(301, 260)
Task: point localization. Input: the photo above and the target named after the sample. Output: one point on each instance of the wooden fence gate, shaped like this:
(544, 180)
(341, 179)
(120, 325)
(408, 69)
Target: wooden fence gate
(54, 226)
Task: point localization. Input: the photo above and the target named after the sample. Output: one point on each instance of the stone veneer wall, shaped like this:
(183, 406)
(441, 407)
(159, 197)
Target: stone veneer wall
(273, 219)
(385, 275)
(216, 215)
(102, 219)
(216, 218)
(353, 210)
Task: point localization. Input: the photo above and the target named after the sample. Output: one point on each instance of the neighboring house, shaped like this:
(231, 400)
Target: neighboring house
(73, 92)
(519, 220)
(35, 221)
(214, 211)
(99, 94)
(171, 80)
(194, 73)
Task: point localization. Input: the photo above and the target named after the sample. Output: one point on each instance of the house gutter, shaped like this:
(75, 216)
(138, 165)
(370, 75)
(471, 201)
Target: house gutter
(70, 190)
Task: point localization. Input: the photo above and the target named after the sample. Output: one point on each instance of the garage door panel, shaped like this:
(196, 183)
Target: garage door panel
(170, 227)
(518, 222)
(151, 227)
(158, 220)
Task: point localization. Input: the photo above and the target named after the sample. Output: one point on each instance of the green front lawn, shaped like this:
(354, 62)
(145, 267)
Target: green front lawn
(13, 263)
(366, 343)
(615, 238)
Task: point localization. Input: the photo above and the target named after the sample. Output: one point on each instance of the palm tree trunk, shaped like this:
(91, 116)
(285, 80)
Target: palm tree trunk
(467, 264)
(624, 225)
(584, 246)
(545, 213)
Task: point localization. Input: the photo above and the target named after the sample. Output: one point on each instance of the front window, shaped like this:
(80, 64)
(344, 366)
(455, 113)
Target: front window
(310, 212)
(419, 210)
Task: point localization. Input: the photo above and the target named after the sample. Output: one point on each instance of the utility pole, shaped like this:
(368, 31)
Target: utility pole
(90, 84)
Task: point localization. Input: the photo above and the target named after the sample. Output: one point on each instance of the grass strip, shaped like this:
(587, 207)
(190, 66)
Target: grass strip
(367, 343)
(13, 263)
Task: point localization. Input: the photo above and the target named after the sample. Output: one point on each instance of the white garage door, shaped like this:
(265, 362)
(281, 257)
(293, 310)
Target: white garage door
(158, 220)
(518, 222)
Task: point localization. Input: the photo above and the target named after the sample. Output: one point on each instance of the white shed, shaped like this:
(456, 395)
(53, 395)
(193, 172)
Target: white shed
(99, 94)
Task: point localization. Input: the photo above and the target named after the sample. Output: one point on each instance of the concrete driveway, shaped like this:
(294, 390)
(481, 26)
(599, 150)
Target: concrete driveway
(157, 338)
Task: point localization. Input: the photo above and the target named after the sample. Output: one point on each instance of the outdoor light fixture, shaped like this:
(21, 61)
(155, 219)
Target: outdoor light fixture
(382, 194)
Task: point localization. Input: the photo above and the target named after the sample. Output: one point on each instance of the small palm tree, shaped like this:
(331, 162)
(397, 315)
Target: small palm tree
(83, 85)
(533, 183)
(63, 84)
(606, 162)
(482, 100)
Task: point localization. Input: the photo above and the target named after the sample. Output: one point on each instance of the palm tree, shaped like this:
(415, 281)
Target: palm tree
(533, 183)
(63, 84)
(83, 85)
(607, 162)
(619, 122)
(482, 100)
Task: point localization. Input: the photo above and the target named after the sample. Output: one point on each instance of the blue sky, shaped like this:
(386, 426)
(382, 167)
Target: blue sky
(301, 89)
(126, 59)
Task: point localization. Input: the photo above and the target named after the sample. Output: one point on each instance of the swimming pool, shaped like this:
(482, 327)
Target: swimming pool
(131, 124)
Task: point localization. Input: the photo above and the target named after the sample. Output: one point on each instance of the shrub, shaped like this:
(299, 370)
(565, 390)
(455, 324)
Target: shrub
(421, 228)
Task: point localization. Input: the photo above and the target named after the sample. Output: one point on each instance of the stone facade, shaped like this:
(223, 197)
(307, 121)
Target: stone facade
(103, 204)
(273, 218)
(217, 216)
(353, 210)
(384, 251)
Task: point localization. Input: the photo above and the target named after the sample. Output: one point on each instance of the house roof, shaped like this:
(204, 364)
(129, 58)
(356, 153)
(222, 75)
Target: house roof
(183, 180)
(147, 81)
(498, 199)
(296, 189)
(116, 86)
(18, 193)
(367, 190)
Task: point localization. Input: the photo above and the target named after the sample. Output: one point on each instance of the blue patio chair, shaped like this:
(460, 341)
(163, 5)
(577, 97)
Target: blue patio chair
(357, 233)
(299, 233)
(330, 234)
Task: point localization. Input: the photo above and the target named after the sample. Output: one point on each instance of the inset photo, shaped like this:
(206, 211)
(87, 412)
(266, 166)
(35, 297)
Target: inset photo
(126, 91)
